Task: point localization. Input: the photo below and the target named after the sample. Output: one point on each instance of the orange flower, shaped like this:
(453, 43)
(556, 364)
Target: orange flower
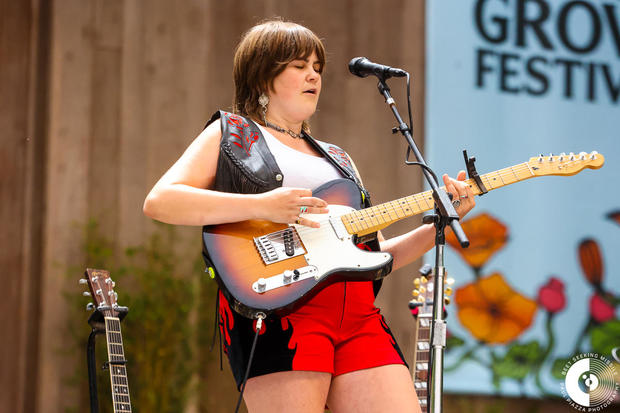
(486, 236)
(492, 311)
(591, 261)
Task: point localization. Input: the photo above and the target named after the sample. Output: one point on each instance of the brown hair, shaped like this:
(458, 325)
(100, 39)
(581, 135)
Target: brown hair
(262, 54)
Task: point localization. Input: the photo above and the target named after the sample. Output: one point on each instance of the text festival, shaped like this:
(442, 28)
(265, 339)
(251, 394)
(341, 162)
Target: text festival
(551, 47)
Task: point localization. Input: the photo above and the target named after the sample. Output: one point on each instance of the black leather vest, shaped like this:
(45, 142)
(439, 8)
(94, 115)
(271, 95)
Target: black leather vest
(246, 165)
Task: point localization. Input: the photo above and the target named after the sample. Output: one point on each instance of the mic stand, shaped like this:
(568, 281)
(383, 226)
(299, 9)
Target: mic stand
(444, 215)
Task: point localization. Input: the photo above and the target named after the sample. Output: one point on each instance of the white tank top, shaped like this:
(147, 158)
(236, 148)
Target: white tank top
(300, 170)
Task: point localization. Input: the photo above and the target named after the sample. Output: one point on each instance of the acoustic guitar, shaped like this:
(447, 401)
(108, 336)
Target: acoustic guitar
(102, 290)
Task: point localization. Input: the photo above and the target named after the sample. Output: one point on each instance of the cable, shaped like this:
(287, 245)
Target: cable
(259, 326)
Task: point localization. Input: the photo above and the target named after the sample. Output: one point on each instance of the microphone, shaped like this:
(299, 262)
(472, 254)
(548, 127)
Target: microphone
(362, 67)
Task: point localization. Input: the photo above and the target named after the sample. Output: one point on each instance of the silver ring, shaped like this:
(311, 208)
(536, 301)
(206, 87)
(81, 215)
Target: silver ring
(456, 203)
(303, 209)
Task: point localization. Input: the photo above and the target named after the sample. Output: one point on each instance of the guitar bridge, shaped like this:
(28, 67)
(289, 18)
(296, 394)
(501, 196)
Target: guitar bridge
(279, 246)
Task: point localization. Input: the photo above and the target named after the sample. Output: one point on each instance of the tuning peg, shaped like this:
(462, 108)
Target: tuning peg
(420, 299)
(593, 155)
(582, 156)
(83, 281)
(422, 290)
(448, 291)
(416, 282)
(562, 155)
(551, 157)
(415, 293)
(86, 294)
(110, 282)
(423, 279)
(571, 156)
(90, 307)
(449, 281)
(446, 300)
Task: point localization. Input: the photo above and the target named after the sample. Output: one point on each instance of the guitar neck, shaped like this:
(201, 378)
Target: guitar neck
(118, 371)
(369, 220)
(422, 356)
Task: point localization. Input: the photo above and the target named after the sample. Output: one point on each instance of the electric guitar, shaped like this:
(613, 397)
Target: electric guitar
(101, 289)
(422, 310)
(264, 267)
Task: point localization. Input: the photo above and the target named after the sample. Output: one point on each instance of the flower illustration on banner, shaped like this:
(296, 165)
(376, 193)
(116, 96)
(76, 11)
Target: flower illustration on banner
(591, 261)
(551, 295)
(614, 216)
(601, 309)
(492, 311)
(496, 315)
(486, 234)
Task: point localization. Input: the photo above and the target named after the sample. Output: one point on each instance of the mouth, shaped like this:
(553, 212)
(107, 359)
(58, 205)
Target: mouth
(310, 91)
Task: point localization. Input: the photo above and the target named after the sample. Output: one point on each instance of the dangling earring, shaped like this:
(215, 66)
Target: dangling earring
(263, 101)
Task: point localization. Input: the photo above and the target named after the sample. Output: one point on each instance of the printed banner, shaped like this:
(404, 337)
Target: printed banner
(508, 80)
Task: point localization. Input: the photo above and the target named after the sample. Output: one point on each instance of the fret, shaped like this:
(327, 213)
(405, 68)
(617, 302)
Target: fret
(118, 372)
(423, 345)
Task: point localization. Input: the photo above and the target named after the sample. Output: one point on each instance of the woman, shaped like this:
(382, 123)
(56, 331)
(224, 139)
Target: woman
(260, 163)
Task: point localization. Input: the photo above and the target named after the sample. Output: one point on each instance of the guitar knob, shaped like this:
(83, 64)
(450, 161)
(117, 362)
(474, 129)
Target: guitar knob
(262, 284)
(287, 276)
(90, 307)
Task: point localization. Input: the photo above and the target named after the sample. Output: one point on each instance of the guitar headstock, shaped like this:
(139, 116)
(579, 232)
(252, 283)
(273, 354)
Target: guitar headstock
(423, 292)
(564, 164)
(102, 291)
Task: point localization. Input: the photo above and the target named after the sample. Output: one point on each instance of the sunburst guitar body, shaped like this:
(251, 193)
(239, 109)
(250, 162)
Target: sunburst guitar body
(264, 267)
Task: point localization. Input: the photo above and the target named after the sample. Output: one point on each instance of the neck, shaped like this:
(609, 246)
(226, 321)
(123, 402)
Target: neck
(284, 123)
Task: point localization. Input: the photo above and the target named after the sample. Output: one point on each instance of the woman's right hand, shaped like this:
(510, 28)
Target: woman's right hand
(285, 205)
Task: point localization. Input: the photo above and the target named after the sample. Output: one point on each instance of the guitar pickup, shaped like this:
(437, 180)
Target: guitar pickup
(279, 246)
(288, 277)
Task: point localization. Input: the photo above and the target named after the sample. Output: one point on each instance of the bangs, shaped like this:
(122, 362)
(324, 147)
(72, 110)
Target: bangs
(297, 42)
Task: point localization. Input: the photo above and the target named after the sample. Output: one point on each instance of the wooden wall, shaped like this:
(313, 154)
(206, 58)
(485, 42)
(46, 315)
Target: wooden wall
(99, 97)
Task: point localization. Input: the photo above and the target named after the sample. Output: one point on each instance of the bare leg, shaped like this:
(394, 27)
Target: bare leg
(379, 389)
(288, 391)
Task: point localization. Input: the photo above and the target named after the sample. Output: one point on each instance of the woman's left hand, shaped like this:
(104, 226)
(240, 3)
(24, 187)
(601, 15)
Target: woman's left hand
(462, 195)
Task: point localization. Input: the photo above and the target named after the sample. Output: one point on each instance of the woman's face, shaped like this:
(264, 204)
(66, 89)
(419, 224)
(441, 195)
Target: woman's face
(296, 91)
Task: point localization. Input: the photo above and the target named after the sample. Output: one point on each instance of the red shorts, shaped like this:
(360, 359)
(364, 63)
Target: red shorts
(338, 331)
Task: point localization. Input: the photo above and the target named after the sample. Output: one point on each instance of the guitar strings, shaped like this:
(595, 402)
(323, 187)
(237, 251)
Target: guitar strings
(511, 174)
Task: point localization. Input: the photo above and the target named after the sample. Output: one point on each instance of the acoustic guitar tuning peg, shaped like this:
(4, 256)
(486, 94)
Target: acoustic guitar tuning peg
(423, 279)
(416, 282)
(450, 281)
(86, 294)
(90, 307)
(446, 300)
(415, 293)
(82, 281)
(448, 291)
